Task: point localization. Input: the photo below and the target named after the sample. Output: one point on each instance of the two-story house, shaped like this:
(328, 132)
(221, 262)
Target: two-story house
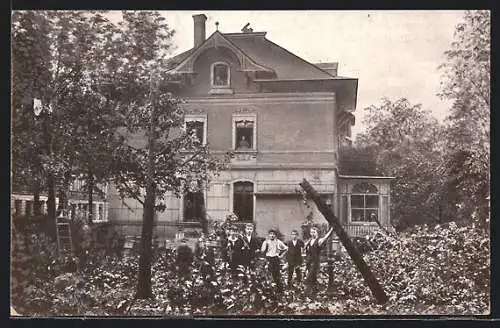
(283, 118)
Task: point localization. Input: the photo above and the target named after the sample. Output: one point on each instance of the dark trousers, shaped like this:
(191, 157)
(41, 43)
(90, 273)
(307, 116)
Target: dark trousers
(274, 268)
(312, 273)
(184, 271)
(298, 274)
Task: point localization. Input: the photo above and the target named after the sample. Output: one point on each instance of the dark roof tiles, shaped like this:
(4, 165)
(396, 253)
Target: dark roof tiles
(266, 53)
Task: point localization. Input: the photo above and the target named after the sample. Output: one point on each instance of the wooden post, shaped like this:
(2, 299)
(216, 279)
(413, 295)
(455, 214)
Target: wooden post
(353, 252)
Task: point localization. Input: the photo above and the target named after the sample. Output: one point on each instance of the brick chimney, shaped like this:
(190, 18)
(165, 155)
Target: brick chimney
(199, 29)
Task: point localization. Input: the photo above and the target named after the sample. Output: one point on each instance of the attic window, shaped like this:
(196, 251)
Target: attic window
(220, 75)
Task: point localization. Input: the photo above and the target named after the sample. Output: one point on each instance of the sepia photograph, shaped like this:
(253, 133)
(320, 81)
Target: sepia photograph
(180, 164)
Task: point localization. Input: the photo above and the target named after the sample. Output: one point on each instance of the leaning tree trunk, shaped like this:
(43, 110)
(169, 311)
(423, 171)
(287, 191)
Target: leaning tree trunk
(353, 252)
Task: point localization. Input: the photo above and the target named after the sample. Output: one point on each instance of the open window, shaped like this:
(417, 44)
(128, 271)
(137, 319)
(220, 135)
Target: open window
(244, 132)
(364, 203)
(243, 200)
(197, 124)
(220, 75)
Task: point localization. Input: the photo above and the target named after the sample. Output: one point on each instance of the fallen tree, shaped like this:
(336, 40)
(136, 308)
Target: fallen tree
(353, 252)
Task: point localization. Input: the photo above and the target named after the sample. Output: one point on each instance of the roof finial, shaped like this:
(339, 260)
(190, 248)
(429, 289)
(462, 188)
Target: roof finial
(217, 26)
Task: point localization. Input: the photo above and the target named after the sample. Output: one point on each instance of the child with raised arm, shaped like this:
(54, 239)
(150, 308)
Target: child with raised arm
(273, 248)
(313, 251)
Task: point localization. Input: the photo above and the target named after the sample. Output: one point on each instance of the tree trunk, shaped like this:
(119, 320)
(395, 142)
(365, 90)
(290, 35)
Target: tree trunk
(36, 200)
(144, 289)
(204, 219)
(60, 205)
(90, 189)
(353, 252)
(51, 196)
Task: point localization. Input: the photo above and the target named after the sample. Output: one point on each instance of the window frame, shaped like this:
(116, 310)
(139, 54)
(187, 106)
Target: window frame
(231, 197)
(197, 118)
(244, 117)
(212, 76)
(203, 190)
(364, 208)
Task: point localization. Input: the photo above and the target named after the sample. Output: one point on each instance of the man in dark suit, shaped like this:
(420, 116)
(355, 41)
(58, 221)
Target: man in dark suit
(294, 257)
(250, 247)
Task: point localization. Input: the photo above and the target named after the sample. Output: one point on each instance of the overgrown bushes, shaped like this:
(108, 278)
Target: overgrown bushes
(426, 270)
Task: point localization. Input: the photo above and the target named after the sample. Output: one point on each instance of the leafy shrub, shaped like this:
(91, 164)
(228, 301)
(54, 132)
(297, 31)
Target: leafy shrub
(425, 270)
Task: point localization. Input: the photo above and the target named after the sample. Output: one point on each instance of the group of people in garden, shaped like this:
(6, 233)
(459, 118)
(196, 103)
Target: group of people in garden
(239, 251)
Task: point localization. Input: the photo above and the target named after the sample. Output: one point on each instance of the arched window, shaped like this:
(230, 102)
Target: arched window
(243, 200)
(220, 75)
(364, 203)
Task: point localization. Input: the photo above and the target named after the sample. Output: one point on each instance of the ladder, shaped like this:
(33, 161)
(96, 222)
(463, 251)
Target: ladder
(64, 238)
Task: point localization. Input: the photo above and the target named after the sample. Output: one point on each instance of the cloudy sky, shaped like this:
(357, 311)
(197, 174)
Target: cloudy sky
(392, 53)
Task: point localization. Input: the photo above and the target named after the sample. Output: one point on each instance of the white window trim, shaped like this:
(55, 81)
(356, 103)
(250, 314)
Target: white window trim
(212, 84)
(246, 117)
(364, 222)
(96, 204)
(231, 196)
(197, 118)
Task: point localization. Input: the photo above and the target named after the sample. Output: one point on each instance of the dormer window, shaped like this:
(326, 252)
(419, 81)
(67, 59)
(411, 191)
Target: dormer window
(220, 75)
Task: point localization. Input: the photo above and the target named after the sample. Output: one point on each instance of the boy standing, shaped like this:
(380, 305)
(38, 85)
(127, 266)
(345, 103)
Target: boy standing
(233, 250)
(272, 247)
(250, 247)
(294, 257)
(313, 251)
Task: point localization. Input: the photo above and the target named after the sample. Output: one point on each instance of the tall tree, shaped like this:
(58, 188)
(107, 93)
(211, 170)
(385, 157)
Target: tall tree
(160, 156)
(62, 60)
(466, 82)
(95, 117)
(30, 75)
(406, 141)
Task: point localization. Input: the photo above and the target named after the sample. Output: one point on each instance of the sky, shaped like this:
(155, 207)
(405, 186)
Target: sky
(393, 53)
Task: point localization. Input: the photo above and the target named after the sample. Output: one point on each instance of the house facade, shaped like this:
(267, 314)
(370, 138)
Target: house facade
(22, 202)
(283, 119)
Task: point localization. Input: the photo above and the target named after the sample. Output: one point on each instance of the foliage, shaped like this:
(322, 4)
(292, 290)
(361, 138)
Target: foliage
(159, 157)
(60, 62)
(358, 160)
(30, 75)
(466, 82)
(408, 146)
(441, 269)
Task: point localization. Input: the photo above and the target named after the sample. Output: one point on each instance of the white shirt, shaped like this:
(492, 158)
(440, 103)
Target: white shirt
(273, 247)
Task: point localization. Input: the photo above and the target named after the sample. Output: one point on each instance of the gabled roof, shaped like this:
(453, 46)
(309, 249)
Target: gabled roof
(287, 65)
(186, 61)
(262, 54)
